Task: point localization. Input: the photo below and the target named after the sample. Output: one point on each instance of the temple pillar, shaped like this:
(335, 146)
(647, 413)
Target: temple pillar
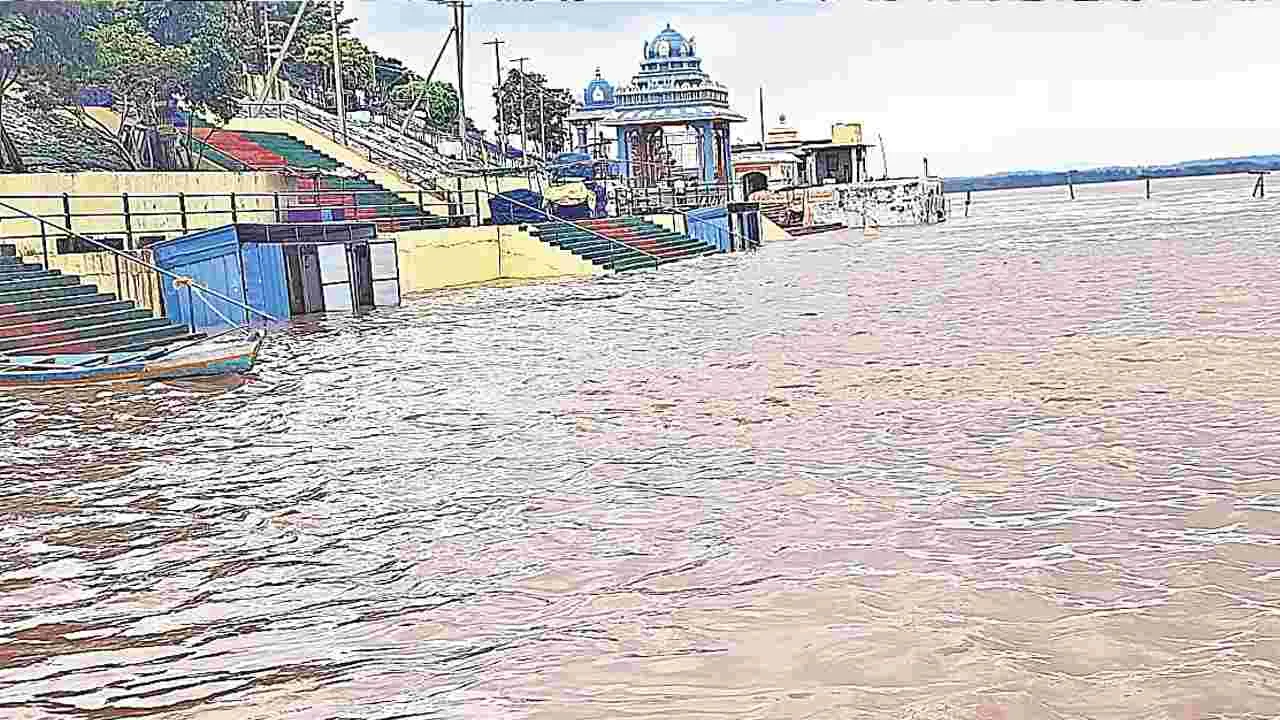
(706, 138)
(624, 152)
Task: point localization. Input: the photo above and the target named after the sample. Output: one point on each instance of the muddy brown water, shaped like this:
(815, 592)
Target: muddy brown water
(1021, 465)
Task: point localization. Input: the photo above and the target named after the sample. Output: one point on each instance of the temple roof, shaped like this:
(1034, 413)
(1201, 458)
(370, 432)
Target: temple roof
(671, 87)
(669, 44)
(681, 113)
(598, 94)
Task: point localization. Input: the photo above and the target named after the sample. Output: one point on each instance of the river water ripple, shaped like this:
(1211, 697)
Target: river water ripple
(1021, 465)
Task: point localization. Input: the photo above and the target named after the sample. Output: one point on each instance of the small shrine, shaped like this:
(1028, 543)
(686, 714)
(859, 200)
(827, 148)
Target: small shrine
(598, 102)
(672, 120)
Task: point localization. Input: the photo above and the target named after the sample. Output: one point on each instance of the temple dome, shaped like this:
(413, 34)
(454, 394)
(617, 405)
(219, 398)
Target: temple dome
(668, 43)
(598, 93)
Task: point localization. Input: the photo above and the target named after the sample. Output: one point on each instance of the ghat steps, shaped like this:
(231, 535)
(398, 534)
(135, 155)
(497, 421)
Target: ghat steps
(627, 243)
(44, 312)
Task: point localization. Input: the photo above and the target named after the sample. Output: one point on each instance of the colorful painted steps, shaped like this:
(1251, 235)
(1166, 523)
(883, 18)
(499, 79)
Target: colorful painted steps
(44, 312)
(627, 243)
(355, 199)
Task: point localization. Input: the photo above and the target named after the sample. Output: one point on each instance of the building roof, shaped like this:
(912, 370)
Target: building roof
(766, 156)
(585, 115)
(677, 114)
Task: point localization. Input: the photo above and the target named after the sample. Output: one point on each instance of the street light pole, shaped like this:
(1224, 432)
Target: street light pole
(497, 99)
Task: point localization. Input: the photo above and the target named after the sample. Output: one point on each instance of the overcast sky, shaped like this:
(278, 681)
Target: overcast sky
(976, 87)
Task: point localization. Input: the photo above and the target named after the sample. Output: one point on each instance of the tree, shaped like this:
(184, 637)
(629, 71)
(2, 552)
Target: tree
(440, 103)
(556, 103)
(39, 43)
(148, 55)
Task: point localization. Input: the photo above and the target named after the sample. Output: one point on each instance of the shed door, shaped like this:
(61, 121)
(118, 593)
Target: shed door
(335, 276)
(385, 271)
(312, 290)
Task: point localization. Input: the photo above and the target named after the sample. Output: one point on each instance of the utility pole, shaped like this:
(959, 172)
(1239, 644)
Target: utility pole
(284, 50)
(459, 44)
(497, 100)
(524, 133)
(266, 44)
(337, 73)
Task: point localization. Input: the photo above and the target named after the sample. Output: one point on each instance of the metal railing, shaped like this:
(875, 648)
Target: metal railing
(119, 255)
(133, 220)
(632, 200)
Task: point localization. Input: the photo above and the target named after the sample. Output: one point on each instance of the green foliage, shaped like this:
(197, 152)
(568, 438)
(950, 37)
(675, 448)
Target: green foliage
(40, 42)
(556, 103)
(440, 103)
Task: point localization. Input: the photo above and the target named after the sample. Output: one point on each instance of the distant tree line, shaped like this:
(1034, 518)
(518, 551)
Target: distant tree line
(1027, 179)
(147, 58)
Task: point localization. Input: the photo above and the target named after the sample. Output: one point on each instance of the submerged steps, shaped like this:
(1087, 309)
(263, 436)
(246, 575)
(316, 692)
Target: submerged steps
(47, 312)
(622, 243)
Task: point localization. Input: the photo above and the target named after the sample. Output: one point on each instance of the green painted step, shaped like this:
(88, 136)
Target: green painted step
(29, 296)
(98, 304)
(37, 283)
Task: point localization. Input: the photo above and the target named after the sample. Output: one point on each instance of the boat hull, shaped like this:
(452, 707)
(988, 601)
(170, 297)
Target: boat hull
(222, 360)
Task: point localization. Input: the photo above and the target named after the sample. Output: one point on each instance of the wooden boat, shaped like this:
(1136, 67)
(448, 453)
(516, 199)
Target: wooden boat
(162, 364)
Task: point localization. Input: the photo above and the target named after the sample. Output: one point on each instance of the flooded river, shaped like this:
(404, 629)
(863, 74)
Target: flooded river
(1021, 465)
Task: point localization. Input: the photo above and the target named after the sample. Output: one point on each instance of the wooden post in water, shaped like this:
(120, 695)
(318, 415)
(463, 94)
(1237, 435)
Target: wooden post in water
(1148, 187)
(1071, 188)
(968, 198)
(1260, 187)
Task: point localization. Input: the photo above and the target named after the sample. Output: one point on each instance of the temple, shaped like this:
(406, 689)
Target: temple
(598, 102)
(672, 121)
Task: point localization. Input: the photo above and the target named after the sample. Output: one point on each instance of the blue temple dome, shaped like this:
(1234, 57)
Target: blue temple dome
(668, 44)
(598, 94)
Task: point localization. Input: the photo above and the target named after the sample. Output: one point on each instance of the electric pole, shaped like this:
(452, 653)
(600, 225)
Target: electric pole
(524, 133)
(337, 72)
(497, 100)
(458, 8)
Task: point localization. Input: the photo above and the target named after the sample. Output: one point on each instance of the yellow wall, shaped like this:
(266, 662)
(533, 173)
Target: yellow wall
(136, 282)
(15, 189)
(771, 231)
(670, 221)
(449, 257)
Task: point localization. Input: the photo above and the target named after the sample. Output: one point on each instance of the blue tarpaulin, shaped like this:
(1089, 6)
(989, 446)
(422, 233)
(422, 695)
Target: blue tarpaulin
(513, 206)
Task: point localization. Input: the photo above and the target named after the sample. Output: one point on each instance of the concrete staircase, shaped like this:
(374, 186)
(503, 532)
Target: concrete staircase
(44, 312)
(637, 244)
(782, 216)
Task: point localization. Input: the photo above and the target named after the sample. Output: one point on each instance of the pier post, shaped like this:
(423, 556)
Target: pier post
(968, 198)
(1148, 188)
(1071, 188)
(1260, 187)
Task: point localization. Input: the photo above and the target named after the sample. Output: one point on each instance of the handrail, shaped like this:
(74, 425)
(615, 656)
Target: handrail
(552, 218)
(71, 233)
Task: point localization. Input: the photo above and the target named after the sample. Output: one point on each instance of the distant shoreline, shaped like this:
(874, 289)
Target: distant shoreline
(1202, 168)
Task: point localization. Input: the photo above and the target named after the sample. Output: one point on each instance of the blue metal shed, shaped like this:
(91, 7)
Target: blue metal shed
(283, 269)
